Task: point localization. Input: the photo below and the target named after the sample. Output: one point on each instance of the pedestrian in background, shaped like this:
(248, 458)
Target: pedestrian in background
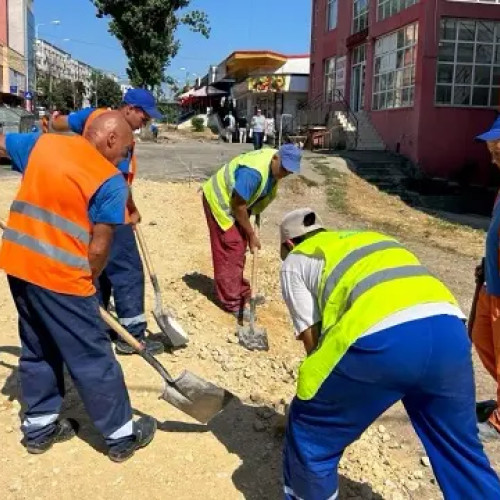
(230, 124)
(270, 130)
(258, 126)
(242, 129)
(378, 328)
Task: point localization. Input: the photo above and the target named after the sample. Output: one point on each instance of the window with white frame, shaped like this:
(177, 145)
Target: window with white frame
(332, 7)
(329, 79)
(468, 69)
(359, 15)
(387, 8)
(394, 71)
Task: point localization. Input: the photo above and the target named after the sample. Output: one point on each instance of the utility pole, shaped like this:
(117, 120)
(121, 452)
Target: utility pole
(96, 83)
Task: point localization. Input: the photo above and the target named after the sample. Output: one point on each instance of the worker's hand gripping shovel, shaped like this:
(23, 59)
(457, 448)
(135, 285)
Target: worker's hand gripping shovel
(173, 333)
(479, 285)
(252, 337)
(189, 393)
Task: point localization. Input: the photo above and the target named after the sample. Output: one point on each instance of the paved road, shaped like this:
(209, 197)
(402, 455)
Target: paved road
(184, 159)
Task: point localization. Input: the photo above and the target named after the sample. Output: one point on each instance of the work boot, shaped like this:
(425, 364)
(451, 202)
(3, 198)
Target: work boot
(144, 431)
(153, 347)
(66, 428)
(487, 432)
(243, 315)
(484, 409)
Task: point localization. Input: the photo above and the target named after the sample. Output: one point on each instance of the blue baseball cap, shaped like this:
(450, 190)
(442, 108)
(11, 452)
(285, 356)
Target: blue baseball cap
(144, 99)
(290, 158)
(493, 134)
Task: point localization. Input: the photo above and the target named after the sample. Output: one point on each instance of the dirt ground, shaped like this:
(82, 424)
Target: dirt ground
(238, 455)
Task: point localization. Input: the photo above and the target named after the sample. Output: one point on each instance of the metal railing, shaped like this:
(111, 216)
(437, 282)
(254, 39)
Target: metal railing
(351, 115)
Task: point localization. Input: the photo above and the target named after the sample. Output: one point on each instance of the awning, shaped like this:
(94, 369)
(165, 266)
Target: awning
(208, 92)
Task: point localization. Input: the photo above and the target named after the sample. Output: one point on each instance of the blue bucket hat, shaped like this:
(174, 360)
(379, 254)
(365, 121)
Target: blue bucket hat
(144, 99)
(493, 134)
(290, 158)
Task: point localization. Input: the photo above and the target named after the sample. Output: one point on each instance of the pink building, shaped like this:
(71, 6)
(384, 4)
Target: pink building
(3, 22)
(424, 73)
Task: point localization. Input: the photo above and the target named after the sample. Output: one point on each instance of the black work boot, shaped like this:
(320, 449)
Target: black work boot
(154, 347)
(144, 431)
(66, 428)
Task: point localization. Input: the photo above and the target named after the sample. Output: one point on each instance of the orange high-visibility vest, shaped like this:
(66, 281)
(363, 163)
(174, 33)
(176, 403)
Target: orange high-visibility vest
(132, 166)
(48, 231)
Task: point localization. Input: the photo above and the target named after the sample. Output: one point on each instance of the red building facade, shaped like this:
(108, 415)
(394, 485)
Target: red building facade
(425, 72)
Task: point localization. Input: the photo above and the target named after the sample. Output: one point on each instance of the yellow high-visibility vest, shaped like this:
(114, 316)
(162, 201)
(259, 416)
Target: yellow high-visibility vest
(367, 277)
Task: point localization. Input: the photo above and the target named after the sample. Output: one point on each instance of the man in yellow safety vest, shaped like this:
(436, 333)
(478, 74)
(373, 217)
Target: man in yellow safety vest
(378, 328)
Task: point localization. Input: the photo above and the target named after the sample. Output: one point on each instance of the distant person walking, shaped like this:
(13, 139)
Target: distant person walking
(242, 129)
(230, 124)
(270, 130)
(258, 126)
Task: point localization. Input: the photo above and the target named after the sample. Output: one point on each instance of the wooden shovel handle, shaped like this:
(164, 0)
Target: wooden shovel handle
(253, 282)
(145, 251)
(119, 330)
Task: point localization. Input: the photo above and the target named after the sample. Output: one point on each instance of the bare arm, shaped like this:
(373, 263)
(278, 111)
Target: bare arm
(310, 338)
(240, 211)
(3, 147)
(135, 216)
(99, 247)
(60, 124)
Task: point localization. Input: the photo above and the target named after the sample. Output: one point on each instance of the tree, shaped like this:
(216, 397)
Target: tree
(146, 30)
(109, 94)
(63, 95)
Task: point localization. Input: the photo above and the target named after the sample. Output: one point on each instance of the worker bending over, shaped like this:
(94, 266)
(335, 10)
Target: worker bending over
(246, 185)
(378, 328)
(123, 276)
(57, 242)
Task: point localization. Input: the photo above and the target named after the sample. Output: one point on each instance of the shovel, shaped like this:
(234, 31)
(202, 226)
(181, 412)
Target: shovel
(191, 394)
(252, 337)
(173, 332)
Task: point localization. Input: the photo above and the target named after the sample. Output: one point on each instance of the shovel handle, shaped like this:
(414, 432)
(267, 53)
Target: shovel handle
(120, 331)
(3, 226)
(253, 280)
(147, 257)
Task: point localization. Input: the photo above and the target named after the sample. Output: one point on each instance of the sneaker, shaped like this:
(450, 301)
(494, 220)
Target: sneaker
(66, 429)
(152, 346)
(487, 432)
(144, 431)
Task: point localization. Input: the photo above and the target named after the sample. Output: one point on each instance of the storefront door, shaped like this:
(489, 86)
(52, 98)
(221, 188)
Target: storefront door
(358, 70)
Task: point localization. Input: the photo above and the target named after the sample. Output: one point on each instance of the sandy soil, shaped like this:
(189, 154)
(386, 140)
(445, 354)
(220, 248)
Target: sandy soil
(238, 455)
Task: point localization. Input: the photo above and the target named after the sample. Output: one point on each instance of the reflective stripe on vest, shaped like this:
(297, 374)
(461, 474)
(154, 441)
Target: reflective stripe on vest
(219, 188)
(22, 207)
(366, 278)
(46, 249)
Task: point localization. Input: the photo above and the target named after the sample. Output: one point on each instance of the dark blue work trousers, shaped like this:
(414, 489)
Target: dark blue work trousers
(425, 363)
(56, 330)
(123, 278)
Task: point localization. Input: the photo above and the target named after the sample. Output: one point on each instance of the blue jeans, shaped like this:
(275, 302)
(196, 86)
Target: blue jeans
(258, 139)
(123, 278)
(57, 330)
(426, 364)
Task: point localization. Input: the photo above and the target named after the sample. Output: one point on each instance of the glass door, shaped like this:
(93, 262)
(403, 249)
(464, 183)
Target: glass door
(358, 71)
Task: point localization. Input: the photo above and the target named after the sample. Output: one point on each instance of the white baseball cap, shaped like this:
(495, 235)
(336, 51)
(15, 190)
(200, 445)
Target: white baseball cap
(298, 223)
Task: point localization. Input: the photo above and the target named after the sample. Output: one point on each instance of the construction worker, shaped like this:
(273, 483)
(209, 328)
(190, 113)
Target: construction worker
(377, 328)
(123, 277)
(486, 323)
(56, 243)
(246, 185)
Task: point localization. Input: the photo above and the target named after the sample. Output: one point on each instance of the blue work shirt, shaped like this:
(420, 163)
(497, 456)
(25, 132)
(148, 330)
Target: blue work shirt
(107, 206)
(247, 183)
(492, 268)
(77, 121)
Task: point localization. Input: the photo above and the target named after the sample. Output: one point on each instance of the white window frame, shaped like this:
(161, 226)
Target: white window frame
(332, 6)
(467, 76)
(329, 79)
(392, 8)
(360, 10)
(389, 85)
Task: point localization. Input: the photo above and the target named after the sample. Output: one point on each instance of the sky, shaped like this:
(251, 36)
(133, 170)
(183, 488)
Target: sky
(236, 25)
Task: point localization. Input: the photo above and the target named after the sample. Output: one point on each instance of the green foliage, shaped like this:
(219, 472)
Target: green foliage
(146, 30)
(198, 124)
(62, 95)
(109, 94)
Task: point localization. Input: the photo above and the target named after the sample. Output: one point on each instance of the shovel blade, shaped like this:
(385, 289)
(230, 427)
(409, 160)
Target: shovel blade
(197, 397)
(253, 338)
(173, 332)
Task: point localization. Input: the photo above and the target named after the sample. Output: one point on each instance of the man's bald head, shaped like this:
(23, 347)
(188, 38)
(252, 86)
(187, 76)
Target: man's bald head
(111, 135)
